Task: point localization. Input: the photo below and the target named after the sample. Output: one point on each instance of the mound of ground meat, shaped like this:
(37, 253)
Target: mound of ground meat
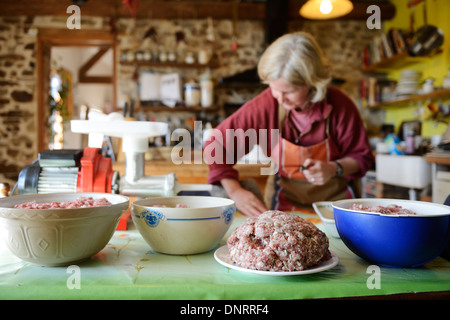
(278, 241)
(80, 202)
(390, 209)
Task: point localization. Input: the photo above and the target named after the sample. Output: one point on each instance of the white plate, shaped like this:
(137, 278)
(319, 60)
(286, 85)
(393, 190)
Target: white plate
(324, 210)
(221, 256)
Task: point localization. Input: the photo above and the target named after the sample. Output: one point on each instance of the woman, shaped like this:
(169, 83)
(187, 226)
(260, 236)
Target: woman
(322, 143)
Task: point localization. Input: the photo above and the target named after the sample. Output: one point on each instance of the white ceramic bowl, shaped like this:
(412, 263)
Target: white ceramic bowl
(58, 237)
(324, 209)
(180, 231)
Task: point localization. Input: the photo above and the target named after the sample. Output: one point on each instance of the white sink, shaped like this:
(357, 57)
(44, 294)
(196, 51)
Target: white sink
(412, 172)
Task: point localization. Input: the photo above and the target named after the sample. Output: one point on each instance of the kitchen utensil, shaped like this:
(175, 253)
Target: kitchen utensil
(131, 112)
(303, 168)
(394, 240)
(426, 39)
(180, 231)
(59, 237)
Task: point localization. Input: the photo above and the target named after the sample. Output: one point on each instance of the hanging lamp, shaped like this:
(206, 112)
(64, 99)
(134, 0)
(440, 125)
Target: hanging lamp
(325, 9)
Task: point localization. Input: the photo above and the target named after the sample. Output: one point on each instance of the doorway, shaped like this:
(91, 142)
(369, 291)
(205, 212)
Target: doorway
(91, 49)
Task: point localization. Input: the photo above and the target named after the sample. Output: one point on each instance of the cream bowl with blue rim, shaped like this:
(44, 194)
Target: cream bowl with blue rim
(57, 237)
(182, 225)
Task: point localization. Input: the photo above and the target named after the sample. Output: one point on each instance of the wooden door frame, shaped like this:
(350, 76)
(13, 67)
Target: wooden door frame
(48, 38)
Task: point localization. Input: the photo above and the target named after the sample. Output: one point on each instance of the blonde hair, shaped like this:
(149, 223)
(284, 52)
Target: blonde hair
(298, 59)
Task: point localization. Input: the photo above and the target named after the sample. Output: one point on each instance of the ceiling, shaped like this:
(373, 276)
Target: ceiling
(180, 9)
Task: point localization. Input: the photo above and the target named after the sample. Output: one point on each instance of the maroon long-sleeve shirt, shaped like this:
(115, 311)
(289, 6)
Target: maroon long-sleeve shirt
(308, 127)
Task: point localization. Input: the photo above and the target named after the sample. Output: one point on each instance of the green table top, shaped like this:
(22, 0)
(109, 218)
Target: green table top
(127, 268)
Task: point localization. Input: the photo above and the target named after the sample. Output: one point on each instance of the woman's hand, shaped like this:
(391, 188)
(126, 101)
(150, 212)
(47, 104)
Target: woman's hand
(246, 201)
(319, 172)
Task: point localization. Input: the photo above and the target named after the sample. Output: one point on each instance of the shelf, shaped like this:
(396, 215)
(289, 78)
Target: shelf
(169, 64)
(398, 61)
(160, 108)
(436, 94)
(242, 85)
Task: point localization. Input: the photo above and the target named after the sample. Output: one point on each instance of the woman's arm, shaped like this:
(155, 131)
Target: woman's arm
(256, 114)
(246, 202)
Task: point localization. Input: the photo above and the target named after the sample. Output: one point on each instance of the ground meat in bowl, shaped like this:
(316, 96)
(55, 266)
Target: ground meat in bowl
(80, 202)
(389, 209)
(278, 241)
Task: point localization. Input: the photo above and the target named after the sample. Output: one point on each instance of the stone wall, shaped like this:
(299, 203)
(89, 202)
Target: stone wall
(18, 105)
(341, 42)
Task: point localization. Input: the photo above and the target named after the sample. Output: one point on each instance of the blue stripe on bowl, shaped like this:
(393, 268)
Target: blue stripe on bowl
(193, 219)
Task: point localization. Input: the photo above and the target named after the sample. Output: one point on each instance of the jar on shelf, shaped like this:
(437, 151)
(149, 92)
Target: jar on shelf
(162, 56)
(172, 56)
(189, 58)
(207, 91)
(192, 94)
(139, 55)
(123, 56)
(129, 56)
(147, 55)
(428, 86)
(203, 56)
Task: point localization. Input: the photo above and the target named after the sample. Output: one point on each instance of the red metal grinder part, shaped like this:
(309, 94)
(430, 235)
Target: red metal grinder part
(96, 172)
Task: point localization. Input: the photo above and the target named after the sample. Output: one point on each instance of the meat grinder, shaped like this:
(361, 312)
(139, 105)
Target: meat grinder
(135, 143)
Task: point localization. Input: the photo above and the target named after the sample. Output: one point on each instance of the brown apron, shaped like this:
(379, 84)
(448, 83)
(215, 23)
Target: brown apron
(288, 188)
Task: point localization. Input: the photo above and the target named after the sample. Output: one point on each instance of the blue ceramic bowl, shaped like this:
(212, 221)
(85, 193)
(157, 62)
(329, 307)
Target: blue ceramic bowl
(394, 240)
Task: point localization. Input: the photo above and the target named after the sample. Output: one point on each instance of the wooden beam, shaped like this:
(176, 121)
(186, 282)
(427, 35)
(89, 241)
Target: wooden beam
(77, 37)
(276, 19)
(183, 9)
(156, 9)
(47, 38)
(83, 77)
(43, 54)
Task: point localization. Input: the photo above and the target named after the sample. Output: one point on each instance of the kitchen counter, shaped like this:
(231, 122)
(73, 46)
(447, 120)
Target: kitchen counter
(439, 157)
(440, 172)
(127, 268)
